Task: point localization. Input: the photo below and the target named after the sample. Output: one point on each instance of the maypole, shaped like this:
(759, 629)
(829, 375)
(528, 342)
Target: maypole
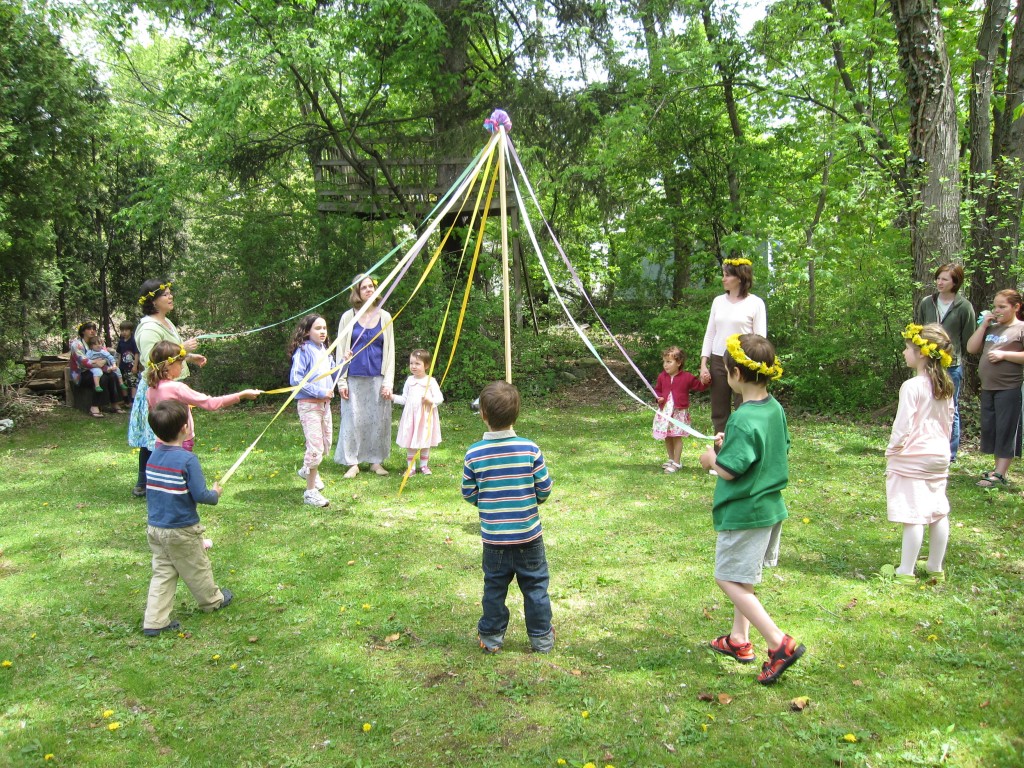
(499, 121)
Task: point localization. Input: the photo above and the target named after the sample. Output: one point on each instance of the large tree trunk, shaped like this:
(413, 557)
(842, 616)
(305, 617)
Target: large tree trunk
(935, 235)
(726, 65)
(980, 138)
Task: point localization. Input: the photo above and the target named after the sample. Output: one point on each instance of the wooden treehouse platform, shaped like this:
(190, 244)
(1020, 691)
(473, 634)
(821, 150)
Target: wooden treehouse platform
(366, 187)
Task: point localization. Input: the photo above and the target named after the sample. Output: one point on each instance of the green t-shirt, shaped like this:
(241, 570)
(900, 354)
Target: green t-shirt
(756, 451)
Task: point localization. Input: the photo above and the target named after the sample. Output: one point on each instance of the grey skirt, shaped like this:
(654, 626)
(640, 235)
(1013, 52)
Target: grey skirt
(364, 435)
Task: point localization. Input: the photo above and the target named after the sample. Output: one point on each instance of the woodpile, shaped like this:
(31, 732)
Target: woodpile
(44, 376)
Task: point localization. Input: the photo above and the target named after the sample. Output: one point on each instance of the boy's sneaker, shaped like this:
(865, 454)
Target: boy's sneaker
(779, 660)
(314, 499)
(156, 632)
(742, 652)
(228, 597)
(318, 484)
(489, 645)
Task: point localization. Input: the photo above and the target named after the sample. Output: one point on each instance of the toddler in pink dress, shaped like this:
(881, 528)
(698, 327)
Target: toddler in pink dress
(419, 429)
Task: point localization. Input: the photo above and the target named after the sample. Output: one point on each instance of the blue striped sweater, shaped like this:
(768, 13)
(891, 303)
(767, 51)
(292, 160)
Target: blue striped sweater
(505, 478)
(174, 483)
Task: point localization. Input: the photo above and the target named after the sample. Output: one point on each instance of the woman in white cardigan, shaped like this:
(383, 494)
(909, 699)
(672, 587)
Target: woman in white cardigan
(366, 383)
(735, 311)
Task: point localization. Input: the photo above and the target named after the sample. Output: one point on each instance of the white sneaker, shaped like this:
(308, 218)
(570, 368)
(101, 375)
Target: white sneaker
(314, 499)
(304, 473)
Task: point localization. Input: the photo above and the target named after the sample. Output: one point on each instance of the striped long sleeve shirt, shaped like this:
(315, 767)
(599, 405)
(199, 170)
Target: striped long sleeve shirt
(174, 484)
(505, 478)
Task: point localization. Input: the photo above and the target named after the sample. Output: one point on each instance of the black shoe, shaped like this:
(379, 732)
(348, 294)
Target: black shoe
(228, 597)
(172, 627)
(139, 491)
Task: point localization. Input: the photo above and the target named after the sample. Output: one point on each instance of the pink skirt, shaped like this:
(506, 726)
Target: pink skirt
(663, 427)
(915, 501)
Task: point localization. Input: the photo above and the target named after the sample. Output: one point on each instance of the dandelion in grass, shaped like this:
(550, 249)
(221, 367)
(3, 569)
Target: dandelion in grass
(48, 756)
(561, 761)
(234, 666)
(341, 609)
(807, 520)
(113, 726)
(850, 738)
(107, 714)
(932, 638)
(216, 657)
(589, 765)
(6, 663)
(367, 727)
(32, 636)
(585, 714)
(367, 606)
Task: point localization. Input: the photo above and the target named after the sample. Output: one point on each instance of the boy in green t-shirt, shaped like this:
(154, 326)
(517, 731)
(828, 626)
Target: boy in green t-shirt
(752, 463)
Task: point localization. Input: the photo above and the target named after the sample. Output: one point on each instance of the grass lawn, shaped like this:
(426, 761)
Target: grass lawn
(352, 642)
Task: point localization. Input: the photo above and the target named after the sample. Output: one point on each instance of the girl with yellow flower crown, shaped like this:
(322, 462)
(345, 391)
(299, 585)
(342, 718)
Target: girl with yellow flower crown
(1000, 342)
(156, 301)
(737, 311)
(917, 457)
(162, 370)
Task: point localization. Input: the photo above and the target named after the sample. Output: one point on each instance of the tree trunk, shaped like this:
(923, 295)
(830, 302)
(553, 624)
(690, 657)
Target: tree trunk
(980, 141)
(724, 56)
(935, 235)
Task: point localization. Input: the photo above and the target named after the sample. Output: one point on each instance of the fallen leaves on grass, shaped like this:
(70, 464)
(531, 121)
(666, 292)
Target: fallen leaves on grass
(799, 704)
(724, 698)
(392, 637)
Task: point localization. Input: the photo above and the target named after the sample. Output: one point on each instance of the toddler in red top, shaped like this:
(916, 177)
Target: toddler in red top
(673, 390)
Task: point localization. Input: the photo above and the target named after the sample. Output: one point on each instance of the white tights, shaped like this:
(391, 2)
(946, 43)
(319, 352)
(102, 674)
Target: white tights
(913, 537)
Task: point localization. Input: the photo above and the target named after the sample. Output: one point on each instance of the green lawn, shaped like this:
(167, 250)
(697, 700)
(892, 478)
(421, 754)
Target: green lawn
(365, 613)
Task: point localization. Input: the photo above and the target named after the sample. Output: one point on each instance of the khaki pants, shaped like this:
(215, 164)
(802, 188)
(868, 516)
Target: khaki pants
(178, 552)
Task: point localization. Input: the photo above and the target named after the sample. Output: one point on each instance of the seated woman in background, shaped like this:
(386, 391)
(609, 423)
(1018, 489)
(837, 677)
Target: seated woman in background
(89, 374)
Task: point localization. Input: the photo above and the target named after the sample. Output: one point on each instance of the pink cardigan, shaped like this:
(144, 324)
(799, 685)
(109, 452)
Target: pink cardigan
(177, 390)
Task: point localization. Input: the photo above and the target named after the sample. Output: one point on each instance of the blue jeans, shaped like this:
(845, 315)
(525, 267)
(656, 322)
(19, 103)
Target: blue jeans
(956, 373)
(528, 564)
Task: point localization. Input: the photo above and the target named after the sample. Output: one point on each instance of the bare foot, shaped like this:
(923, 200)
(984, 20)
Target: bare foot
(378, 469)
(352, 472)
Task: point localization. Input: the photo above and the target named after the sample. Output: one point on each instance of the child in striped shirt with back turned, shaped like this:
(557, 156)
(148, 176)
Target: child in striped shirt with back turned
(506, 479)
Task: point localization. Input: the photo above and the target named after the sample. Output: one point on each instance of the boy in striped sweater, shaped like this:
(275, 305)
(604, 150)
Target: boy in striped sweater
(506, 479)
(174, 484)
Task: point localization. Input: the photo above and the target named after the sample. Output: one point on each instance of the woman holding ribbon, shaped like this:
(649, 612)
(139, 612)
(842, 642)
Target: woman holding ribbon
(89, 374)
(366, 382)
(737, 311)
(156, 302)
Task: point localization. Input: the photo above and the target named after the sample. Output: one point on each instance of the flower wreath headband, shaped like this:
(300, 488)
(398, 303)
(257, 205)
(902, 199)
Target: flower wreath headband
(182, 354)
(737, 262)
(928, 348)
(735, 350)
(152, 294)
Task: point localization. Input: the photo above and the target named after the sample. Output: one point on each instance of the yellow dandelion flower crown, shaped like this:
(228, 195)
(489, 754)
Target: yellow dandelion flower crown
(152, 294)
(928, 348)
(737, 262)
(182, 354)
(735, 350)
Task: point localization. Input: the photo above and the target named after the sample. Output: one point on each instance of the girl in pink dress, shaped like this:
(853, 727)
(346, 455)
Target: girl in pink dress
(163, 367)
(917, 457)
(419, 428)
(673, 390)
